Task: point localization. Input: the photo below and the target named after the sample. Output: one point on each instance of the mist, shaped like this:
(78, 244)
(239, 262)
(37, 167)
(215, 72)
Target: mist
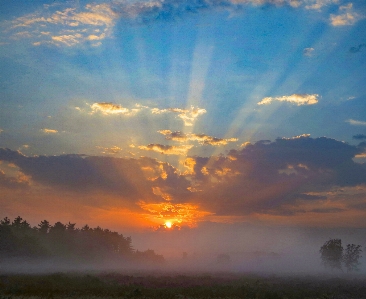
(208, 248)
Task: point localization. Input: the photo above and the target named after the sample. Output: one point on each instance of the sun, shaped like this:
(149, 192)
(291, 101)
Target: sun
(168, 224)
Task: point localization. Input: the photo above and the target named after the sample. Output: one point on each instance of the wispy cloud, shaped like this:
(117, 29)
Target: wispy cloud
(110, 150)
(357, 49)
(65, 27)
(49, 131)
(318, 4)
(201, 138)
(167, 149)
(346, 16)
(308, 52)
(62, 25)
(356, 122)
(187, 115)
(297, 137)
(298, 99)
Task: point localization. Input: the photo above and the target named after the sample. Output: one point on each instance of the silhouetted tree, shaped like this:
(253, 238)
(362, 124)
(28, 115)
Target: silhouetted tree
(351, 257)
(19, 223)
(44, 227)
(5, 222)
(19, 239)
(332, 254)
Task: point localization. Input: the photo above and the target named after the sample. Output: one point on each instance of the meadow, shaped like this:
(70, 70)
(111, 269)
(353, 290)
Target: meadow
(180, 286)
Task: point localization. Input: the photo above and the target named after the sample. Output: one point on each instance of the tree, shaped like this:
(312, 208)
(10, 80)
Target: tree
(44, 227)
(332, 254)
(351, 257)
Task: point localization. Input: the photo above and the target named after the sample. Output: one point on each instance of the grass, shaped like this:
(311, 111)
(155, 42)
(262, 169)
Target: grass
(115, 285)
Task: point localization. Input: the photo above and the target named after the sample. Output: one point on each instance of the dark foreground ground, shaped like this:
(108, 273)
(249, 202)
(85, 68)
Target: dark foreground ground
(178, 286)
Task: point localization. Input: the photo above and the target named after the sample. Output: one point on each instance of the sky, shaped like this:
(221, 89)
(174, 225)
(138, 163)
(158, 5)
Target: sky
(169, 115)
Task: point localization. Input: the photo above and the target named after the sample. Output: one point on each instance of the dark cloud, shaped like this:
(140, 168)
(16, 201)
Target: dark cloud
(127, 178)
(265, 176)
(357, 48)
(359, 136)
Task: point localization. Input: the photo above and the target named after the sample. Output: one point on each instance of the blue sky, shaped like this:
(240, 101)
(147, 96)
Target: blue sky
(184, 111)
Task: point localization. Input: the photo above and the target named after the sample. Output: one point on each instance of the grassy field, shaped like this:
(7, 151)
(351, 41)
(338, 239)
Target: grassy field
(221, 285)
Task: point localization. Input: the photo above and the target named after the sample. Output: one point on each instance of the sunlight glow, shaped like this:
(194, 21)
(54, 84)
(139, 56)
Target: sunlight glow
(168, 224)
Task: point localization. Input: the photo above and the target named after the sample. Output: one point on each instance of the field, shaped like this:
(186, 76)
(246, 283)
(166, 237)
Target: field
(179, 286)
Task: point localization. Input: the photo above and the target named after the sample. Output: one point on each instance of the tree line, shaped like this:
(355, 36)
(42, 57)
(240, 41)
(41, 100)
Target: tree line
(335, 257)
(65, 241)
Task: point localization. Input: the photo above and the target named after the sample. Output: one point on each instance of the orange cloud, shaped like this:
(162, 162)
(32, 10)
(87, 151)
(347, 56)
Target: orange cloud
(108, 108)
(49, 131)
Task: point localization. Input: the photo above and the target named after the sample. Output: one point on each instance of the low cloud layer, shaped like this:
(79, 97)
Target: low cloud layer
(297, 99)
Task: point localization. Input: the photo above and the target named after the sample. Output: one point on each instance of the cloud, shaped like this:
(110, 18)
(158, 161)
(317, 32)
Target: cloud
(346, 17)
(49, 131)
(308, 52)
(201, 138)
(107, 108)
(65, 27)
(298, 99)
(297, 137)
(89, 174)
(356, 122)
(271, 177)
(167, 149)
(357, 49)
(359, 136)
(318, 4)
(72, 25)
(20, 182)
(112, 150)
(187, 115)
